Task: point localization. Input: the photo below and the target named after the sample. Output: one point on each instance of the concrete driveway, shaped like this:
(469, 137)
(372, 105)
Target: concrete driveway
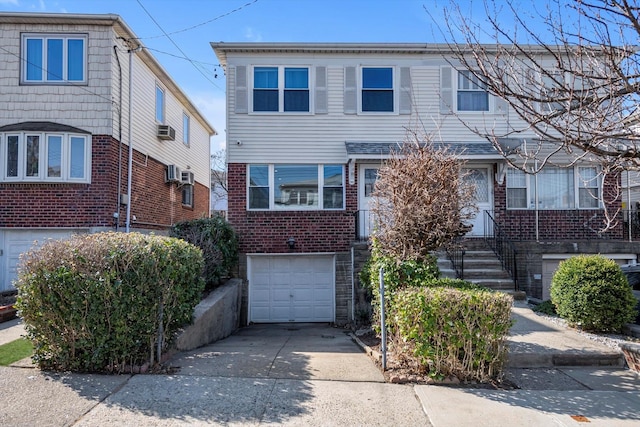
(294, 374)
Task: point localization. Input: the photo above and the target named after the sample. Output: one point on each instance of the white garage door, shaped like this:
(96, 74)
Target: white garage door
(291, 288)
(15, 242)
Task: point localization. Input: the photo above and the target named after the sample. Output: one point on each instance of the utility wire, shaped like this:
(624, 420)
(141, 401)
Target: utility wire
(178, 47)
(201, 24)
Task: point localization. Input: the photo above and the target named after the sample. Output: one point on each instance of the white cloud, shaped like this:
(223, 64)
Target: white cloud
(252, 35)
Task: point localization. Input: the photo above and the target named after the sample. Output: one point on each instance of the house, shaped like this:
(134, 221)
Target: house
(309, 124)
(94, 134)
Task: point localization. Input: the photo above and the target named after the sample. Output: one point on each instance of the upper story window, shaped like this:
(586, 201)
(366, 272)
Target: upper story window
(280, 89)
(295, 187)
(159, 105)
(472, 93)
(377, 89)
(54, 58)
(44, 157)
(185, 128)
(557, 188)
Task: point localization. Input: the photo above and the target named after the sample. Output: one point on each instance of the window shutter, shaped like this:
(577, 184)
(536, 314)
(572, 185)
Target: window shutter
(405, 90)
(242, 103)
(350, 91)
(321, 101)
(500, 106)
(446, 90)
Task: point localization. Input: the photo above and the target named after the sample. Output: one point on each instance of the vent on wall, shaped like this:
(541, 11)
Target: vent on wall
(174, 174)
(188, 178)
(166, 132)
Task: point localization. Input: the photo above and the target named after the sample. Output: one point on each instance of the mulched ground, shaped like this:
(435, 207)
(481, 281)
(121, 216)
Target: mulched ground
(407, 371)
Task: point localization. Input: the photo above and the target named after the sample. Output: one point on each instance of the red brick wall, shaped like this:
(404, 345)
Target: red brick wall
(268, 231)
(554, 225)
(93, 205)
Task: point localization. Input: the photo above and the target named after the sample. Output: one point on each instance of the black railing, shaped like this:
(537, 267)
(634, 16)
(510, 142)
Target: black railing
(455, 253)
(501, 245)
(364, 225)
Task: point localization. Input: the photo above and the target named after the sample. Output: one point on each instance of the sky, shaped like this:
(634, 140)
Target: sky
(178, 32)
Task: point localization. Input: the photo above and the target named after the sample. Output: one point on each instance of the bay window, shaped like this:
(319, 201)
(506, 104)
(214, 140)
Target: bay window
(44, 157)
(554, 188)
(295, 187)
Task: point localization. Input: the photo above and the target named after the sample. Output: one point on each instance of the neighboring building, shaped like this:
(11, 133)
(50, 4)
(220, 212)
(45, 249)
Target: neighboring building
(308, 125)
(65, 133)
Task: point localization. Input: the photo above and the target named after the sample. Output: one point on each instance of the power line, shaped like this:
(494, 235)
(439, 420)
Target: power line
(178, 47)
(201, 24)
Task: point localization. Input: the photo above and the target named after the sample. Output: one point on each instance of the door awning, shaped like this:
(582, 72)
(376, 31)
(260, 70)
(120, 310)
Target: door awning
(362, 150)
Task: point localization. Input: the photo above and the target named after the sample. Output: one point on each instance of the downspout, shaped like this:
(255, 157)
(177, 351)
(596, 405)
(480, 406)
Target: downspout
(535, 176)
(628, 202)
(130, 159)
(115, 50)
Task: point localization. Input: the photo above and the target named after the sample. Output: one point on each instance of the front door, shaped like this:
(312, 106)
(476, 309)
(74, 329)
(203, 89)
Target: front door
(480, 176)
(366, 179)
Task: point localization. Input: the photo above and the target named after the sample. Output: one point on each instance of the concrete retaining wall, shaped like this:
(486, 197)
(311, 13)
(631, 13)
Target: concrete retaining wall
(214, 318)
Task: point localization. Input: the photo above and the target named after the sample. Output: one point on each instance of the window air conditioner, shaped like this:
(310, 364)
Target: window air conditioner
(174, 174)
(166, 132)
(187, 178)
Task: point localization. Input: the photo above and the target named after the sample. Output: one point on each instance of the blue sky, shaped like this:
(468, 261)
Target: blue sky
(192, 24)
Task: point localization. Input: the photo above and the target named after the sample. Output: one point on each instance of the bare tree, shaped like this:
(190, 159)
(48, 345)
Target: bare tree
(218, 176)
(421, 200)
(570, 73)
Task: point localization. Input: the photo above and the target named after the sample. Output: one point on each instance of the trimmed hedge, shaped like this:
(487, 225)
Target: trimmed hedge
(218, 242)
(452, 332)
(592, 292)
(107, 301)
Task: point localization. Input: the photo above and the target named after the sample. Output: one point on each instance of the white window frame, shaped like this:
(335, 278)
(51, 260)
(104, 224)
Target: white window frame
(186, 129)
(458, 89)
(271, 188)
(281, 88)
(578, 183)
(43, 158)
(163, 110)
(190, 199)
(395, 90)
(43, 66)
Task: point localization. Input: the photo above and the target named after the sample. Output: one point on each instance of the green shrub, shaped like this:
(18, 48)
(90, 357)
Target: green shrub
(592, 292)
(449, 331)
(107, 301)
(218, 242)
(546, 307)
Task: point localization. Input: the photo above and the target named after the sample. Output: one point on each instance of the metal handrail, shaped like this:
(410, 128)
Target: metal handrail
(502, 246)
(455, 253)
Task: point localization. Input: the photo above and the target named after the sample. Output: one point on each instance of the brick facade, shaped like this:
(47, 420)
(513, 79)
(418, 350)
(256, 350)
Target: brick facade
(557, 225)
(156, 204)
(268, 231)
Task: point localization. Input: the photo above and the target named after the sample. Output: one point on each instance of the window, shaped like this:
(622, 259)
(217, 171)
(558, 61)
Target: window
(556, 188)
(185, 129)
(370, 178)
(27, 156)
(296, 187)
(588, 187)
(281, 89)
(187, 195)
(54, 58)
(377, 89)
(159, 105)
(516, 189)
(472, 94)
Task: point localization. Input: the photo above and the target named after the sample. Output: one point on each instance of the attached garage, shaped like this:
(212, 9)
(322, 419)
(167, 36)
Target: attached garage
(291, 288)
(15, 242)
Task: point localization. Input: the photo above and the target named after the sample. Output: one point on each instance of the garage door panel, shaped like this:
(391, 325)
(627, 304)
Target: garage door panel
(300, 288)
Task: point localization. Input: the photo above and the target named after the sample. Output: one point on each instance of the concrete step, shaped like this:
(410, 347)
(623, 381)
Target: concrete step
(495, 284)
(483, 273)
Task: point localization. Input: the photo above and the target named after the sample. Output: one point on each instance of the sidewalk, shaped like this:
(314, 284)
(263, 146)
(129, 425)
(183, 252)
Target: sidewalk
(312, 374)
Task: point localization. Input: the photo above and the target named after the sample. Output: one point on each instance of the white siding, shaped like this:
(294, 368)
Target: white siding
(320, 138)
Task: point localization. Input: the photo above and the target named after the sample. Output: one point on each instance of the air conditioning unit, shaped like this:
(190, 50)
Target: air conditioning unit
(174, 174)
(187, 178)
(166, 132)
